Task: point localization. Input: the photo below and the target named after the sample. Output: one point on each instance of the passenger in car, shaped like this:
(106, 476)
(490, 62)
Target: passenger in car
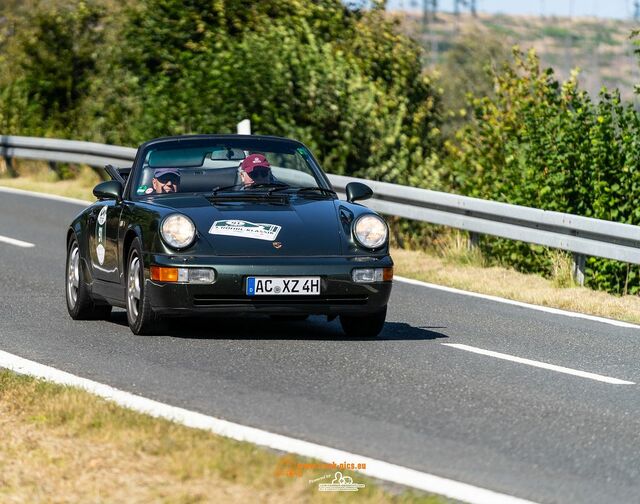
(165, 180)
(255, 169)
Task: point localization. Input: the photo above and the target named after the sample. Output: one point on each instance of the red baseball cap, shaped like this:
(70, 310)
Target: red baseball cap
(254, 161)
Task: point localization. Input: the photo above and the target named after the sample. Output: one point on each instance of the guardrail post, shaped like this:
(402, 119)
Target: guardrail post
(8, 161)
(474, 240)
(577, 268)
(53, 166)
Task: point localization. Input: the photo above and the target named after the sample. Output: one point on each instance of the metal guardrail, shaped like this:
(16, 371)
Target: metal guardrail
(64, 151)
(581, 235)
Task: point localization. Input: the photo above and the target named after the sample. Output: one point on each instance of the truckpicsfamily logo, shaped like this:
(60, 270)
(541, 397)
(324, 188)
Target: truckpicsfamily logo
(245, 229)
(340, 483)
(291, 467)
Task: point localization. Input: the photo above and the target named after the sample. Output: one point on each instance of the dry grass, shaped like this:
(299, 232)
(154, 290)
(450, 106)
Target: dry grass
(559, 292)
(36, 176)
(61, 444)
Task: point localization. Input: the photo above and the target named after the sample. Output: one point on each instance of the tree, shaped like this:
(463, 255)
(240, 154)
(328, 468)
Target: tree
(53, 52)
(342, 80)
(468, 70)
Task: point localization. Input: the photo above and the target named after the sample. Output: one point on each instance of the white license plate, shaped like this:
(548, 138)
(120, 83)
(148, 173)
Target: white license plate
(283, 286)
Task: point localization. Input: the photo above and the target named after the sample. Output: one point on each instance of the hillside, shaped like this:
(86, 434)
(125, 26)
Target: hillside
(599, 47)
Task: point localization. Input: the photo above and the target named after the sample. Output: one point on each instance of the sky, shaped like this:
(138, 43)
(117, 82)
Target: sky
(620, 9)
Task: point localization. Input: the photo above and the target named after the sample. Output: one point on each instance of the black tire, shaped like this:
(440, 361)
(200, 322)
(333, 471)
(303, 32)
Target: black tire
(367, 326)
(140, 315)
(80, 304)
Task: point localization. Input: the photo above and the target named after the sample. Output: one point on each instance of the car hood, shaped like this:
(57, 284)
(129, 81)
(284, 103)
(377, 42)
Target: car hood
(299, 227)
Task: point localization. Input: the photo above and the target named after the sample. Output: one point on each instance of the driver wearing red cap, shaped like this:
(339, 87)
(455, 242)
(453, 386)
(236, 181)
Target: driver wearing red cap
(255, 169)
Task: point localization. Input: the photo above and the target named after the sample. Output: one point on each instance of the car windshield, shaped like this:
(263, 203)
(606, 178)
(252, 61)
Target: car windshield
(225, 165)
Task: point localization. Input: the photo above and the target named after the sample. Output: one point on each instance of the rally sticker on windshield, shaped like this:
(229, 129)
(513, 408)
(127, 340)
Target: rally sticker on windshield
(245, 229)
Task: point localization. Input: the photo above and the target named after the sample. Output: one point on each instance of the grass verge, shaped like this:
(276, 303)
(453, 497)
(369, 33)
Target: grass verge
(511, 284)
(62, 444)
(37, 176)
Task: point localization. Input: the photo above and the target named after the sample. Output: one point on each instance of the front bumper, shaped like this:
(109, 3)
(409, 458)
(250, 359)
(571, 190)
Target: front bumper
(339, 294)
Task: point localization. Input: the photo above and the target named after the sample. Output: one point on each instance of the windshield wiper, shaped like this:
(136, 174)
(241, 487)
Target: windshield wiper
(277, 186)
(322, 190)
(218, 189)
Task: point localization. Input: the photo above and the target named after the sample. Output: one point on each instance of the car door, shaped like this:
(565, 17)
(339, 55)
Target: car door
(103, 225)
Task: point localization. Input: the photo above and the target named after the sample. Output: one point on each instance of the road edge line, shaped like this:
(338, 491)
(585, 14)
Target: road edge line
(521, 304)
(375, 468)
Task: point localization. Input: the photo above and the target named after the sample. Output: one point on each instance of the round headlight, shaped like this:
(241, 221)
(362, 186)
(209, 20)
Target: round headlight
(370, 231)
(178, 231)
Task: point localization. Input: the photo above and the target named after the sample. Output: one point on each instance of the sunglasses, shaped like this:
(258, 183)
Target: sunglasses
(258, 174)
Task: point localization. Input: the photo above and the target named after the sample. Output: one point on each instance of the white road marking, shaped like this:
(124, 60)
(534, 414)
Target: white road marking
(547, 309)
(17, 243)
(375, 468)
(543, 365)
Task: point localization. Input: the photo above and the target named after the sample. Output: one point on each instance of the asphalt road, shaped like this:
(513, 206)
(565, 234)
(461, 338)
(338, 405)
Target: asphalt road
(405, 398)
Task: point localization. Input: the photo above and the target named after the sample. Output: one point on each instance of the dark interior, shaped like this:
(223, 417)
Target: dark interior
(195, 180)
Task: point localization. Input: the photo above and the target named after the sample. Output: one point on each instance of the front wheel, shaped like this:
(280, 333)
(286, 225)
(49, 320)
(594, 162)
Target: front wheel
(80, 304)
(140, 315)
(364, 326)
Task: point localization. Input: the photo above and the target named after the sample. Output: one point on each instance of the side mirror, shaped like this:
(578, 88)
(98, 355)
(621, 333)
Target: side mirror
(108, 190)
(357, 191)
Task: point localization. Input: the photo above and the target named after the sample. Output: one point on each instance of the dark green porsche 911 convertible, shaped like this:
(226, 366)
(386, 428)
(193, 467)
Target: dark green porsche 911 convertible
(228, 224)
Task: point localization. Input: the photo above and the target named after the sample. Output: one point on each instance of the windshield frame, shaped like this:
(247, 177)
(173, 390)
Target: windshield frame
(254, 142)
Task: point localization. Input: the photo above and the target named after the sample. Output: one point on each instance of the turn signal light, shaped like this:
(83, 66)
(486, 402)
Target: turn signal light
(183, 275)
(162, 274)
(369, 275)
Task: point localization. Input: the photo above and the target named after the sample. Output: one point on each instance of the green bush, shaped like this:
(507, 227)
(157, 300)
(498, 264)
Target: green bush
(545, 144)
(52, 50)
(342, 81)
(467, 70)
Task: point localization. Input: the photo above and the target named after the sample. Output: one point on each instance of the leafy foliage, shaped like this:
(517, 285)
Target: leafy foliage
(468, 69)
(546, 144)
(53, 53)
(340, 79)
